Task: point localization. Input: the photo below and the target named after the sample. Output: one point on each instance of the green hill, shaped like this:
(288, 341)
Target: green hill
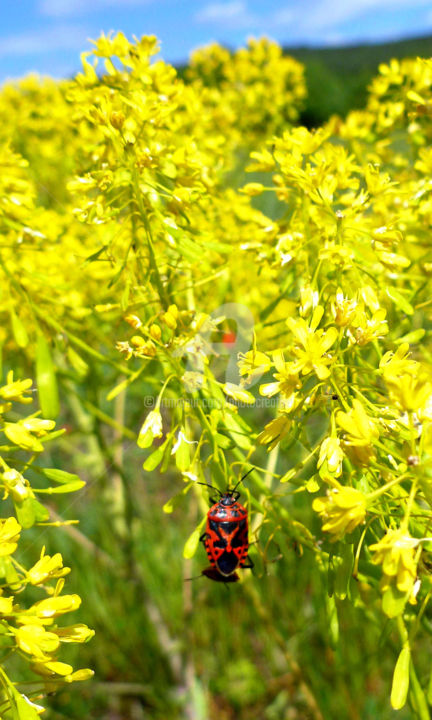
(337, 77)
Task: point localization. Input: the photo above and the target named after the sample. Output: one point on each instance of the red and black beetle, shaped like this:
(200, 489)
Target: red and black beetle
(226, 538)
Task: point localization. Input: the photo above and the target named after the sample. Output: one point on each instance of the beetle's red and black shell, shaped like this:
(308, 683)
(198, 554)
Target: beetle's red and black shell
(226, 536)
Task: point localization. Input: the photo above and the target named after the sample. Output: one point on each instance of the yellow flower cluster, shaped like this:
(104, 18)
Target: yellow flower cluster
(30, 626)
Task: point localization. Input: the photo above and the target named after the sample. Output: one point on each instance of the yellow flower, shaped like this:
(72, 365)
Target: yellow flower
(341, 511)
(410, 392)
(313, 345)
(46, 568)
(35, 640)
(16, 391)
(80, 675)
(330, 457)
(343, 309)
(395, 364)
(19, 435)
(16, 485)
(308, 300)
(74, 633)
(151, 429)
(50, 668)
(286, 376)
(275, 431)
(238, 393)
(396, 553)
(9, 536)
(53, 606)
(368, 329)
(360, 432)
(38, 426)
(253, 363)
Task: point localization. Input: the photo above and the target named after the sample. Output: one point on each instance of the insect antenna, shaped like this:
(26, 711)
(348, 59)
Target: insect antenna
(240, 481)
(210, 486)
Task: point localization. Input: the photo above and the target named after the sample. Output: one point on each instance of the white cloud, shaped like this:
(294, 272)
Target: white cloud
(231, 14)
(68, 8)
(333, 13)
(64, 37)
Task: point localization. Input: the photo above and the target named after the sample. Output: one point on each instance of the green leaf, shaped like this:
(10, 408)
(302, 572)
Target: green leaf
(191, 544)
(25, 710)
(19, 331)
(182, 454)
(400, 301)
(46, 380)
(417, 696)
(238, 429)
(59, 476)
(400, 683)
(167, 453)
(154, 459)
(20, 707)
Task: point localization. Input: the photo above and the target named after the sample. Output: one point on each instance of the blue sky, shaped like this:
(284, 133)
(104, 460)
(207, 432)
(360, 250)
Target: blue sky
(47, 36)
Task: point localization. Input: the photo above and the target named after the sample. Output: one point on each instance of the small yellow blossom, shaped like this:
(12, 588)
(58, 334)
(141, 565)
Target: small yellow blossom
(19, 435)
(155, 332)
(52, 667)
(396, 553)
(53, 606)
(360, 431)
(46, 568)
(133, 321)
(38, 426)
(80, 675)
(15, 484)
(341, 511)
(330, 457)
(74, 633)
(253, 363)
(343, 309)
(9, 535)
(308, 300)
(151, 429)
(394, 364)
(16, 391)
(35, 640)
(275, 431)
(313, 345)
(410, 392)
(368, 329)
(286, 376)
